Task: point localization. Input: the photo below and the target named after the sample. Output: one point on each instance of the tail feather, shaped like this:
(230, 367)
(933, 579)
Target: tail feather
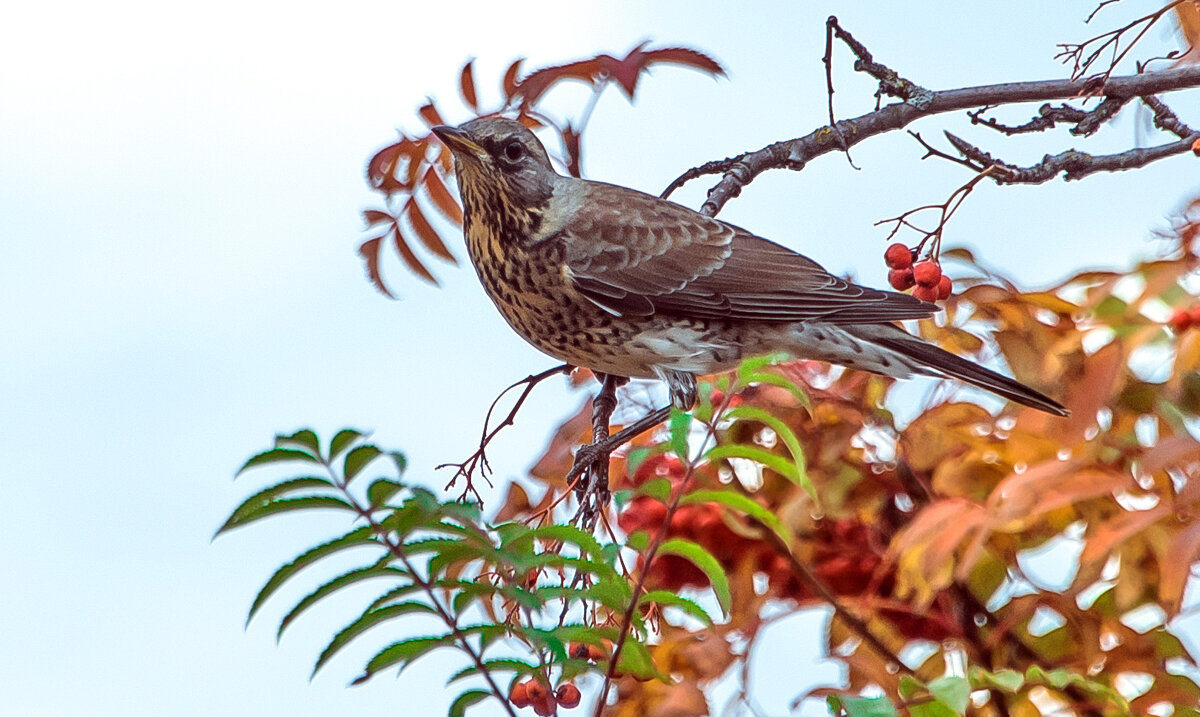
(944, 363)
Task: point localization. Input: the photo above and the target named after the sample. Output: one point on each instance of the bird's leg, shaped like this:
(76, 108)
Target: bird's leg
(592, 486)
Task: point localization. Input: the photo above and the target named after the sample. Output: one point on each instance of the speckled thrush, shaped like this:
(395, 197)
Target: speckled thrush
(628, 284)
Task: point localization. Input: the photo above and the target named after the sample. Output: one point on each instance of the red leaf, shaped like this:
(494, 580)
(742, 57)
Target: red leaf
(430, 115)
(686, 57)
(534, 85)
(375, 216)
(410, 259)
(466, 85)
(369, 251)
(403, 157)
(426, 233)
(441, 197)
(570, 139)
(510, 77)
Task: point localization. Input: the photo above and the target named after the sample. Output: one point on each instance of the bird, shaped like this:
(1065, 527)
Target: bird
(631, 285)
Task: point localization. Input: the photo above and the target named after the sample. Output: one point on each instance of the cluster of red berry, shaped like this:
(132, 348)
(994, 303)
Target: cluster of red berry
(926, 276)
(1184, 319)
(535, 693)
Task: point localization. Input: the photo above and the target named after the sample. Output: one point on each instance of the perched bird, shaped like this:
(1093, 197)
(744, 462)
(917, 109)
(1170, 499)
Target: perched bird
(628, 284)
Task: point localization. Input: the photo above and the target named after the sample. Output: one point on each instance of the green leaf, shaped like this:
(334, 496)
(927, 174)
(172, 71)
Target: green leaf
(704, 560)
(342, 441)
(382, 490)
(740, 503)
(398, 652)
(854, 706)
(248, 509)
(666, 597)
(284, 505)
(680, 425)
(499, 665)
(586, 542)
(638, 540)
(657, 488)
(358, 459)
(758, 454)
(954, 692)
(276, 455)
(635, 458)
(400, 461)
(1006, 680)
(304, 439)
(635, 659)
(355, 538)
(465, 700)
(352, 577)
(785, 434)
(751, 372)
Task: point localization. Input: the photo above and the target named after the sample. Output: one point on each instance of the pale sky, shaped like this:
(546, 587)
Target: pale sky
(180, 188)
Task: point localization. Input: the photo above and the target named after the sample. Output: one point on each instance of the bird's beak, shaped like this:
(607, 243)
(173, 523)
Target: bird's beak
(457, 140)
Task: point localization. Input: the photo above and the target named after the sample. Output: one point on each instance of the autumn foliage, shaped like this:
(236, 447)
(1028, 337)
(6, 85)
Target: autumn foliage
(793, 486)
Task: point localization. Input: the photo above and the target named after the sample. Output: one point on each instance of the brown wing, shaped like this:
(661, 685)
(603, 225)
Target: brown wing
(634, 254)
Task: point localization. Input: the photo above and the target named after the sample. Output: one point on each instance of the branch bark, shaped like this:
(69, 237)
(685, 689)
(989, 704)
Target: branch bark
(796, 153)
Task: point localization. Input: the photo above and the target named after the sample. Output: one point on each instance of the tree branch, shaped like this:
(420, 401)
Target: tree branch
(796, 153)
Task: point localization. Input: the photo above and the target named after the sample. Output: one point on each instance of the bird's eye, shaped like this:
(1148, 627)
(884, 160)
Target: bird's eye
(514, 151)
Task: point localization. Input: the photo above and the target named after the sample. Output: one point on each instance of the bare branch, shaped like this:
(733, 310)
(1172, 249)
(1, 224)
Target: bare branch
(796, 153)
(1110, 41)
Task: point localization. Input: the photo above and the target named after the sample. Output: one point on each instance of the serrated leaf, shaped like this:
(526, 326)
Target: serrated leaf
(854, 706)
(407, 256)
(357, 537)
(352, 577)
(666, 597)
(785, 434)
(739, 503)
(305, 439)
(426, 233)
(369, 252)
(657, 488)
(382, 490)
(276, 455)
(459, 707)
(403, 651)
(287, 505)
(680, 426)
(247, 511)
(774, 461)
(569, 534)
(466, 85)
(358, 459)
(342, 441)
(499, 665)
(701, 558)
(954, 692)
(441, 197)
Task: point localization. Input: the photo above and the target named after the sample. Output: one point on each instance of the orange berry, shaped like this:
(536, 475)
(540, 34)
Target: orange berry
(898, 256)
(546, 706)
(945, 287)
(927, 273)
(596, 653)
(536, 689)
(568, 695)
(926, 293)
(901, 279)
(519, 695)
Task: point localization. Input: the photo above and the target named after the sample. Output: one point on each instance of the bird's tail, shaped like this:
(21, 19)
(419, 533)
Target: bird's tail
(929, 359)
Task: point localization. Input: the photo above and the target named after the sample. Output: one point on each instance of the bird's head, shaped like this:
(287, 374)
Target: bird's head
(499, 159)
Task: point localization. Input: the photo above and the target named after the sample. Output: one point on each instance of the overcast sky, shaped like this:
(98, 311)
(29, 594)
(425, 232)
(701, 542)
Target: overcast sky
(180, 188)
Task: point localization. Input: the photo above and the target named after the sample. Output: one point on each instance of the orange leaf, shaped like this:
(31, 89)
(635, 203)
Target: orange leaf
(375, 216)
(369, 251)
(426, 233)
(510, 78)
(441, 196)
(381, 169)
(531, 87)
(410, 259)
(430, 115)
(466, 86)
(686, 57)
(1175, 572)
(1022, 498)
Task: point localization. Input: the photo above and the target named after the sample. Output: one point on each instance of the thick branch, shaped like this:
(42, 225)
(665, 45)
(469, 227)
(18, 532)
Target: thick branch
(795, 153)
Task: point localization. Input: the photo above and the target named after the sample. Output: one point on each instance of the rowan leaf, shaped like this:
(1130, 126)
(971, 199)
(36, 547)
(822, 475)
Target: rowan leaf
(466, 85)
(409, 258)
(369, 251)
(459, 707)
(399, 653)
(355, 538)
(425, 231)
(441, 197)
(249, 509)
(701, 558)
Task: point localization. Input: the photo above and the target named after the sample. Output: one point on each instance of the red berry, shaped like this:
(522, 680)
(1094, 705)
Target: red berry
(546, 706)
(596, 653)
(945, 287)
(519, 695)
(568, 695)
(901, 279)
(926, 293)
(1180, 321)
(898, 256)
(927, 273)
